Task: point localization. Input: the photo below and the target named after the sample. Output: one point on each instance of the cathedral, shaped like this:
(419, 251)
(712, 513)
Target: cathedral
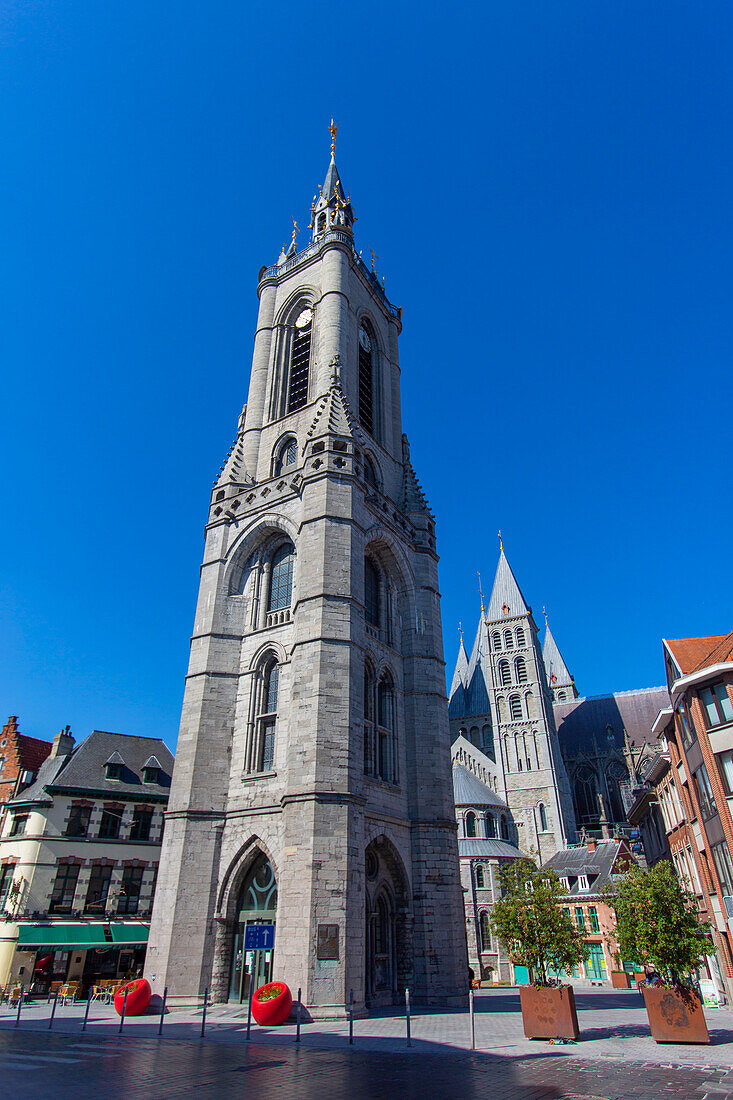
(312, 786)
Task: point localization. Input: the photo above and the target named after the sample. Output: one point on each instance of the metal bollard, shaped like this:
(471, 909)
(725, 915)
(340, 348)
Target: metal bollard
(162, 1011)
(297, 1018)
(86, 1011)
(351, 1017)
(203, 1018)
(249, 1008)
(20, 1003)
(124, 1006)
(470, 1009)
(407, 1015)
(53, 1009)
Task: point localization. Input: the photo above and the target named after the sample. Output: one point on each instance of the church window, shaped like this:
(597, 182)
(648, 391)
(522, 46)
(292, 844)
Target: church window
(281, 578)
(287, 455)
(485, 931)
(504, 828)
(300, 361)
(470, 824)
(515, 707)
(487, 741)
(266, 684)
(371, 593)
(370, 747)
(520, 667)
(520, 636)
(586, 795)
(543, 817)
(366, 379)
(386, 732)
(370, 475)
(474, 736)
(496, 640)
(490, 826)
(508, 639)
(529, 703)
(505, 673)
(479, 876)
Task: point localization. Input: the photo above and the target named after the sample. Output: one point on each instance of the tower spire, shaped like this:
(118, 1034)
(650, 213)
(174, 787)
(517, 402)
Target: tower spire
(333, 130)
(332, 209)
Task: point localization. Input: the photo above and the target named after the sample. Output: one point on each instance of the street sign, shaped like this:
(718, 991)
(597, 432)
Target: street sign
(259, 937)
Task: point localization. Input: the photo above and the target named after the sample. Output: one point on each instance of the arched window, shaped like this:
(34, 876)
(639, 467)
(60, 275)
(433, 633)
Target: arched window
(371, 593)
(515, 707)
(520, 667)
(300, 361)
(366, 379)
(505, 673)
(370, 744)
(485, 931)
(508, 640)
(496, 640)
(474, 736)
(543, 817)
(386, 730)
(504, 828)
(561, 696)
(479, 877)
(487, 741)
(470, 823)
(370, 474)
(520, 637)
(586, 795)
(529, 703)
(490, 826)
(281, 578)
(287, 455)
(261, 750)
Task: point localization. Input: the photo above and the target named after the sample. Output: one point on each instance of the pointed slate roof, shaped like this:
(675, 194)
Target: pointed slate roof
(459, 675)
(234, 468)
(505, 593)
(414, 499)
(469, 790)
(478, 676)
(332, 181)
(554, 663)
(333, 413)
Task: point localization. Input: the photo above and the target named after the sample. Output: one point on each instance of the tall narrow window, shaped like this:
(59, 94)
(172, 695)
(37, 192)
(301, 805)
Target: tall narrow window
(281, 579)
(470, 824)
(130, 887)
(299, 361)
(371, 592)
(520, 667)
(515, 707)
(370, 745)
(504, 828)
(505, 674)
(366, 382)
(386, 732)
(496, 640)
(490, 826)
(98, 889)
(286, 456)
(543, 818)
(479, 877)
(520, 636)
(267, 718)
(64, 888)
(485, 930)
(508, 639)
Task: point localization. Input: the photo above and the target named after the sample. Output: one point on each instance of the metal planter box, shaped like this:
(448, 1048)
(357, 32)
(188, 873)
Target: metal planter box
(549, 1013)
(675, 1017)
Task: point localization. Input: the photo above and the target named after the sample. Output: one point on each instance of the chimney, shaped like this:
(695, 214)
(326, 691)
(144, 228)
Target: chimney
(63, 743)
(591, 843)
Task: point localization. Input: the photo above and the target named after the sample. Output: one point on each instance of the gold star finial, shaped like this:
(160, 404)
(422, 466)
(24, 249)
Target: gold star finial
(333, 130)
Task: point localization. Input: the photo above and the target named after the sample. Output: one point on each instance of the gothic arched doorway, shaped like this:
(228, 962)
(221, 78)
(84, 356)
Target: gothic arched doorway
(388, 940)
(256, 904)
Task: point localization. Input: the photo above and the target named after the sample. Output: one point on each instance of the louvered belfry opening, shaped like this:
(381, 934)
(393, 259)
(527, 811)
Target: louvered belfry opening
(300, 359)
(366, 396)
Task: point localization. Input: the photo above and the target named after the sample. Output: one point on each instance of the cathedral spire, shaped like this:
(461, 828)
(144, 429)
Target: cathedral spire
(332, 208)
(506, 596)
(560, 681)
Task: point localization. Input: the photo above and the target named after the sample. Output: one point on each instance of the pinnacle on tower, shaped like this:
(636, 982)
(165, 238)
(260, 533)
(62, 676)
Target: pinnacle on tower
(332, 208)
(558, 676)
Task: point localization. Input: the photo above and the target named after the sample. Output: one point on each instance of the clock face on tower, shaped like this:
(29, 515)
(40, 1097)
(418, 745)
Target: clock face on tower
(304, 318)
(364, 339)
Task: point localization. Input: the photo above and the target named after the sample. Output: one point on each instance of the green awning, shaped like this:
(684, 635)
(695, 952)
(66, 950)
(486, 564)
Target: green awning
(63, 936)
(130, 934)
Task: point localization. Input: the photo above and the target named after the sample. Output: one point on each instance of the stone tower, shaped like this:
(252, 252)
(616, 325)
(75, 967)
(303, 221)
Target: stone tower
(312, 787)
(501, 708)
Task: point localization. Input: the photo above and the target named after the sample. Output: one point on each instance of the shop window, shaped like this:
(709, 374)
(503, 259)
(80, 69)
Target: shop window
(98, 889)
(78, 824)
(64, 888)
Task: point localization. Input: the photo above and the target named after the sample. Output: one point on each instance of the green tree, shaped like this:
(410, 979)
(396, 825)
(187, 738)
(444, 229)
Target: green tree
(531, 924)
(658, 923)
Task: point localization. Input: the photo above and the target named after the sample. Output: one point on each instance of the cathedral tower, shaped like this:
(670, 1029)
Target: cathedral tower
(312, 787)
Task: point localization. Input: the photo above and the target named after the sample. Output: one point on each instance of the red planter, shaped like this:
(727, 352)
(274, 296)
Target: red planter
(275, 1010)
(549, 1013)
(620, 979)
(138, 997)
(674, 1016)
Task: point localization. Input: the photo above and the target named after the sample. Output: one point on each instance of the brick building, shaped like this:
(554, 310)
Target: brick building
(20, 758)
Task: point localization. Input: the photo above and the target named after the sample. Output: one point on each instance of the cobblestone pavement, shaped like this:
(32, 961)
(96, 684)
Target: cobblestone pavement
(70, 1067)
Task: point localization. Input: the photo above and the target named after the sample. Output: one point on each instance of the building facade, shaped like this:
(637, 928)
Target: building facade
(312, 788)
(79, 854)
(696, 793)
(20, 758)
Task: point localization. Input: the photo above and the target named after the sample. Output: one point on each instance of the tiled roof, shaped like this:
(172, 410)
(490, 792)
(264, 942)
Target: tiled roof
(598, 866)
(477, 847)
(693, 654)
(581, 722)
(33, 751)
(469, 790)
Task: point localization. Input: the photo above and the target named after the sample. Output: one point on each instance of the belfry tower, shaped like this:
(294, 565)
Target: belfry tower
(312, 786)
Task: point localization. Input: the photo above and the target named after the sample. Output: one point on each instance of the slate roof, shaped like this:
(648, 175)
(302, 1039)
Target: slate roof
(469, 790)
(581, 721)
(570, 863)
(84, 768)
(476, 847)
(554, 663)
(505, 591)
(694, 654)
(460, 671)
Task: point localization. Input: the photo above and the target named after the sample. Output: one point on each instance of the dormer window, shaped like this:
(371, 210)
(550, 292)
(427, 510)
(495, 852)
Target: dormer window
(114, 767)
(151, 770)
(583, 882)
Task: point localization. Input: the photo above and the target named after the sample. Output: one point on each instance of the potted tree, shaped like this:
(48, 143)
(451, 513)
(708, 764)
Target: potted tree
(659, 926)
(537, 932)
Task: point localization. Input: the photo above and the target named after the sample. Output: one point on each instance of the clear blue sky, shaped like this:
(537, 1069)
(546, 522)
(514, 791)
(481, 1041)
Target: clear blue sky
(548, 188)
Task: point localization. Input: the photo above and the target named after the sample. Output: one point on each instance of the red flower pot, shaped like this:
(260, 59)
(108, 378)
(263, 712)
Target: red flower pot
(273, 1010)
(138, 997)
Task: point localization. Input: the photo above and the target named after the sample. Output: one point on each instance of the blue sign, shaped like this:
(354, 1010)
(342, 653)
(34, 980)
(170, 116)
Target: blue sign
(259, 937)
